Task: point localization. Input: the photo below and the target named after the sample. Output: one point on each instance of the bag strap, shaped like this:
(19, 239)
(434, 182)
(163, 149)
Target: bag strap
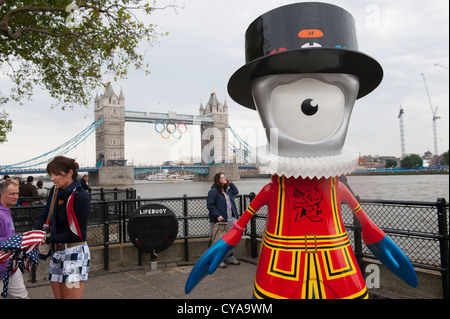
(50, 212)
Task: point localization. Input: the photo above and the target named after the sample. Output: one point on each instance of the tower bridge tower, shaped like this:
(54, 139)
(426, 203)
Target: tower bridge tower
(214, 144)
(215, 135)
(110, 140)
(110, 135)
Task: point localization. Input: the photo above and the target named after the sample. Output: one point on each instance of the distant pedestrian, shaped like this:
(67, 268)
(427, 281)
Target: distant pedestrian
(16, 180)
(42, 192)
(28, 190)
(83, 182)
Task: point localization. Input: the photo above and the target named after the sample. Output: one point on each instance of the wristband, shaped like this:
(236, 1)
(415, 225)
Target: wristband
(241, 229)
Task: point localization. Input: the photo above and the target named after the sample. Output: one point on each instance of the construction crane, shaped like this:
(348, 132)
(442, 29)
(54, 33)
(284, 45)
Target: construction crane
(402, 135)
(435, 118)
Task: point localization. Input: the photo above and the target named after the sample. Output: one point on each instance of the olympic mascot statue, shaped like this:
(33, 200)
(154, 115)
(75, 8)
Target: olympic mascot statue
(303, 75)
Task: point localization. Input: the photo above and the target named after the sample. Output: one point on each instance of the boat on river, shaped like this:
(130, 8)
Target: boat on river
(157, 177)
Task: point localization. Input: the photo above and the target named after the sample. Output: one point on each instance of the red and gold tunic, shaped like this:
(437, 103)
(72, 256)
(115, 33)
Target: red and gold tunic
(305, 252)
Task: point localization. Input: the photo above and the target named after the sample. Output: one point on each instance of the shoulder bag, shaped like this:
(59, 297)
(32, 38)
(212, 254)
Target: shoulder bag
(44, 248)
(220, 229)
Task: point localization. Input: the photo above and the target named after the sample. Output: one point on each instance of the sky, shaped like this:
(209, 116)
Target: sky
(205, 46)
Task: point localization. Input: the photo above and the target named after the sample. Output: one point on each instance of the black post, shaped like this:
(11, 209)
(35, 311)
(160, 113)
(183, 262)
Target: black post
(33, 273)
(253, 234)
(443, 243)
(253, 242)
(139, 257)
(186, 228)
(122, 233)
(357, 234)
(105, 237)
(241, 206)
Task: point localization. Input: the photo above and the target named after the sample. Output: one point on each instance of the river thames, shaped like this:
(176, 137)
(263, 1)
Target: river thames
(388, 187)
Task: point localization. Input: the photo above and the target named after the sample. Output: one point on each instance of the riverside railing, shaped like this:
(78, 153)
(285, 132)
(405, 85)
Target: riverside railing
(420, 229)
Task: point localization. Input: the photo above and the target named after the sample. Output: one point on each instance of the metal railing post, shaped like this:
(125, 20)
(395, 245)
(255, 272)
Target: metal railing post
(186, 228)
(357, 236)
(139, 257)
(253, 234)
(121, 228)
(443, 245)
(241, 205)
(33, 274)
(105, 237)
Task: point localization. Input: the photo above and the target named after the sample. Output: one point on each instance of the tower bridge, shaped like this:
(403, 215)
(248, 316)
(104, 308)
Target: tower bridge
(109, 124)
(110, 138)
(170, 117)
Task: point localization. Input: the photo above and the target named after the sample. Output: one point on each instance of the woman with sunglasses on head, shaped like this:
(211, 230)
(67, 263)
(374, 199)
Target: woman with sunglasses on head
(222, 207)
(69, 263)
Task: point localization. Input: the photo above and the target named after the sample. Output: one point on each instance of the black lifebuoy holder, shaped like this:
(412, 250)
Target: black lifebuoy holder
(153, 227)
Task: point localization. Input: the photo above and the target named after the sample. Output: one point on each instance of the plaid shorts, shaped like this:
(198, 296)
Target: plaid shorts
(70, 264)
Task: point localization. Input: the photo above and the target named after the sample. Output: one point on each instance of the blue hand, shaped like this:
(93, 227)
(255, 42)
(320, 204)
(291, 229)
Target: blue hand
(395, 260)
(208, 263)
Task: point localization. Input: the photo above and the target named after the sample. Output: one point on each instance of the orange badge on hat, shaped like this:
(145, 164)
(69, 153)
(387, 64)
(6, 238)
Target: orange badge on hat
(310, 33)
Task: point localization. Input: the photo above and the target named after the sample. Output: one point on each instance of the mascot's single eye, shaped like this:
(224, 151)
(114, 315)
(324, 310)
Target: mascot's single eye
(307, 110)
(310, 107)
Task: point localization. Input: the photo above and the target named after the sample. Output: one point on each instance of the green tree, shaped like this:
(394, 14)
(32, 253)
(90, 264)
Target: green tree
(66, 48)
(5, 126)
(412, 161)
(445, 157)
(390, 163)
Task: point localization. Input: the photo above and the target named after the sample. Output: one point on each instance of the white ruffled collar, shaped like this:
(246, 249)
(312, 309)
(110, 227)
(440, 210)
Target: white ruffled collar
(322, 166)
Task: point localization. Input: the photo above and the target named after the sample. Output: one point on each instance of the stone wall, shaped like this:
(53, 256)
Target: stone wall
(112, 176)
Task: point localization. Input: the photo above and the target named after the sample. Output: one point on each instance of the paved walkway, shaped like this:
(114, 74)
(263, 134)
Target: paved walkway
(168, 281)
(233, 282)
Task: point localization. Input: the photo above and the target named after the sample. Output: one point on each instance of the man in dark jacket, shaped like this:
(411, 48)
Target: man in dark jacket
(28, 190)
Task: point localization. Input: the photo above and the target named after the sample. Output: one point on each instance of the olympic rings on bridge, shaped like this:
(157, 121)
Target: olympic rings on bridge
(172, 130)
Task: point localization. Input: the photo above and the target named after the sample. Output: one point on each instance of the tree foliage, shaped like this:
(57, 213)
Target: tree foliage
(412, 161)
(66, 48)
(5, 126)
(390, 163)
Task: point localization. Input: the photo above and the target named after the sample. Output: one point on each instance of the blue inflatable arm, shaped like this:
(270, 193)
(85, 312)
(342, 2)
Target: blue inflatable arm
(394, 259)
(207, 264)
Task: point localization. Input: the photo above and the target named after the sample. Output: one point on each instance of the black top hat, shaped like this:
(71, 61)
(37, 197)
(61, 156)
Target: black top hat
(308, 37)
